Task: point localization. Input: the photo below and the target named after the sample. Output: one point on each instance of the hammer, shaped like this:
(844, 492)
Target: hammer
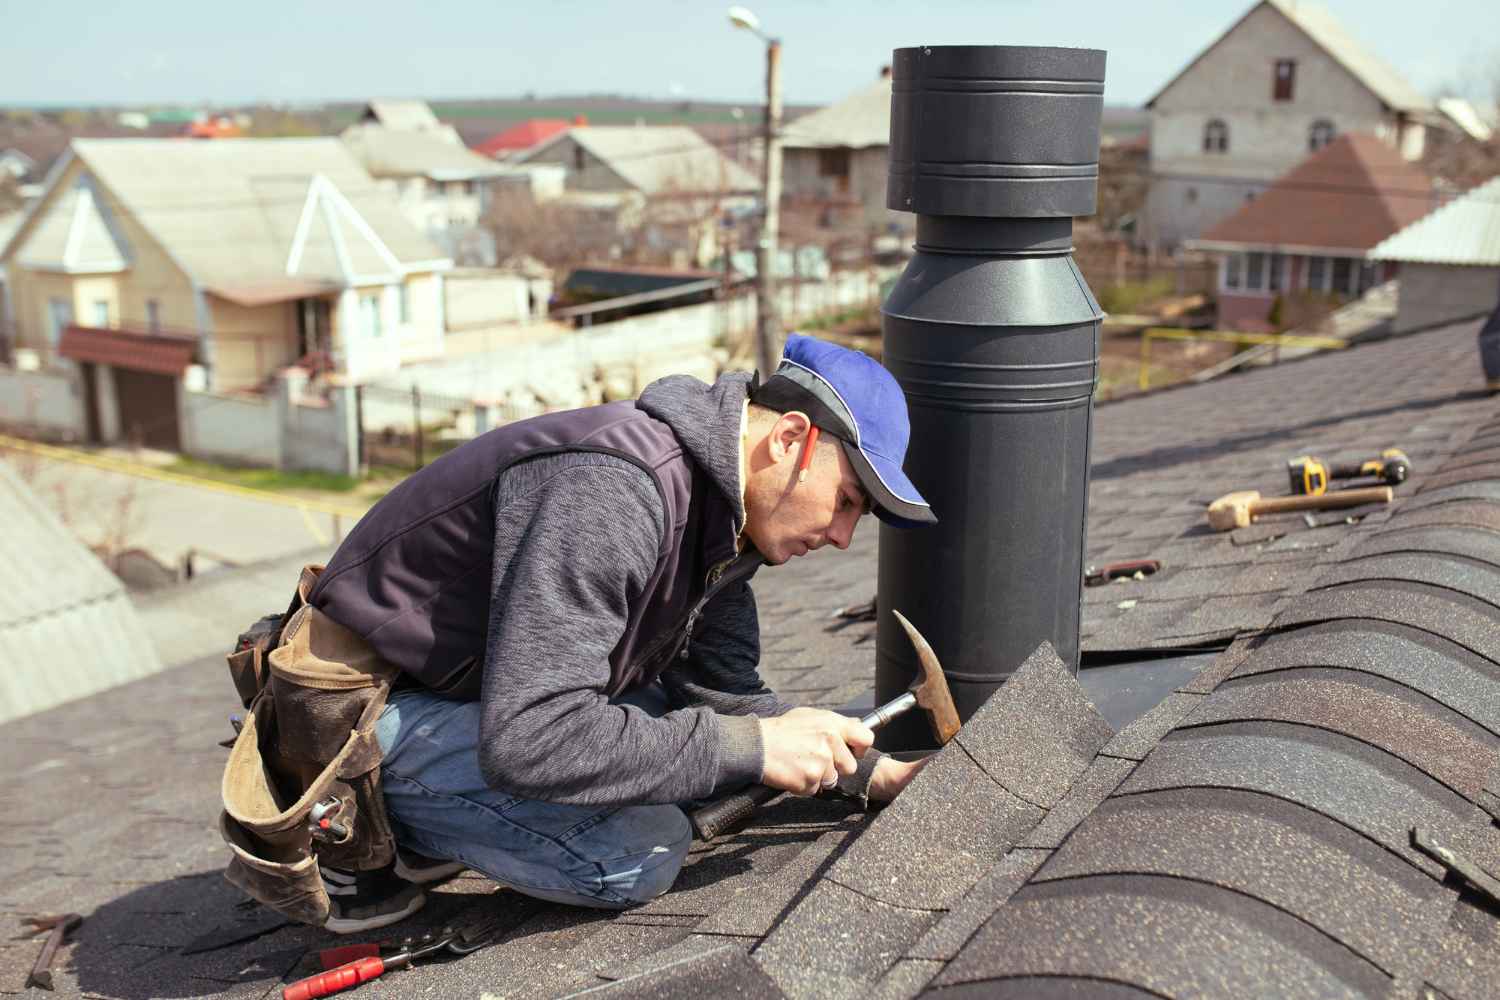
(928, 692)
(1237, 510)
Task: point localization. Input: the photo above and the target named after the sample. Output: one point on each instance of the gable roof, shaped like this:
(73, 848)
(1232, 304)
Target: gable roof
(1324, 29)
(1349, 195)
(1464, 231)
(656, 159)
(278, 208)
(522, 135)
(400, 114)
(75, 235)
(860, 120)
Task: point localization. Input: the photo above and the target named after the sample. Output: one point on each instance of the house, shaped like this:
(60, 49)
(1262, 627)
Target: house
(675, 181)
(1282, 82)
(1313, 229)
(835, 162)
(523, 135)
(441, 185)
(145, 257)
(406, 116)
(1449, 261)
(1305, 697)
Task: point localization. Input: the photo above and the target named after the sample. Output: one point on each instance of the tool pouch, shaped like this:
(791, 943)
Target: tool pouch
(308, 741)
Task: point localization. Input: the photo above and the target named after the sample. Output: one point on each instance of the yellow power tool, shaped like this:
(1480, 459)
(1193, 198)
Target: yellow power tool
(1310, 476)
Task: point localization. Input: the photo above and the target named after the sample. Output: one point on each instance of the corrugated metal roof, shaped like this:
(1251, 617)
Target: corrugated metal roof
(657, 159)
(252, 195)
(67, 627)
(1464, 231)
(859, 120)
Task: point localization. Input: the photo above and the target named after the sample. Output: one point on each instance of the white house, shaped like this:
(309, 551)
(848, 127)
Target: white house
(1282, 82)
(1449, 261)
(440, 183)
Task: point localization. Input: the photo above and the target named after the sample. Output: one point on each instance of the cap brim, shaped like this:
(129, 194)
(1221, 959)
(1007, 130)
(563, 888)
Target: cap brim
(894, 499)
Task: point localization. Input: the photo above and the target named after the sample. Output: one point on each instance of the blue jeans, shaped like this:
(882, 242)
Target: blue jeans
(440, 806)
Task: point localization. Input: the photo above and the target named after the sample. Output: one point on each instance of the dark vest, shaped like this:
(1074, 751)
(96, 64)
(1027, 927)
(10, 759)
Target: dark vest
(413, 577)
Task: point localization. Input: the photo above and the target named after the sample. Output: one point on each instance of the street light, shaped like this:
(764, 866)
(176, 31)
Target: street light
(767, 336)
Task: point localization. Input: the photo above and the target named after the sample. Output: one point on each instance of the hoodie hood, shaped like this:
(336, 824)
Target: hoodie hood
(706, 419)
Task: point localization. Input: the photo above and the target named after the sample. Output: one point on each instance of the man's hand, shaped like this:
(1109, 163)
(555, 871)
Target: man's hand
(891, 776)
(808, 748)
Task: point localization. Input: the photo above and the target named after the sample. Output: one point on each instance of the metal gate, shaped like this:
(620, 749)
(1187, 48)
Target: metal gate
(148, 409)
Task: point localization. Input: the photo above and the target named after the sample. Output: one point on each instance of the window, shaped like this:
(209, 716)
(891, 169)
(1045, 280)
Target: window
(578, 158)
(403, 302)
(1255, 271)
(1343, 267)
(1282, 79)
(1216, 136)
(1232, 264)
(469, 187)
(833, 162)
(59, 315)
(153, 315)
(1190, 196)
(101, 313)
(1274, 271)
(1320, 135)
(1366, 277)
(369, 314)
(1317, 274)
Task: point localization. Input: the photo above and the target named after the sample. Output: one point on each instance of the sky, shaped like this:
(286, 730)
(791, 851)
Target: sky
(157, 51)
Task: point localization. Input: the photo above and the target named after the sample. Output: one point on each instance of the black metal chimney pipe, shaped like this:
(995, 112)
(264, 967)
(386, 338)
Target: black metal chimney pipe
(994, 335)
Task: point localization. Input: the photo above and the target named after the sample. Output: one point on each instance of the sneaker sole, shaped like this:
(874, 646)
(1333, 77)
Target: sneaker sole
(430, 874)
(357, 925)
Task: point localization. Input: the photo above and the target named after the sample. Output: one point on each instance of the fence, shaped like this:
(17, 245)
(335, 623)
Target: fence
(1113, 263)
(48, 404)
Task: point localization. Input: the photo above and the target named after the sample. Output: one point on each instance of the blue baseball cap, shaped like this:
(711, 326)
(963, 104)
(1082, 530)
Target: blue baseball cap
(851, 396)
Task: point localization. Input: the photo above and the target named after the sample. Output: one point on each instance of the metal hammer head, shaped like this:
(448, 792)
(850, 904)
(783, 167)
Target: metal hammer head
(931, 687)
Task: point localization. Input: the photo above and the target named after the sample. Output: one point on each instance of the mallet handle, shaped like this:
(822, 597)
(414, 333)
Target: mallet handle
(1325, 501)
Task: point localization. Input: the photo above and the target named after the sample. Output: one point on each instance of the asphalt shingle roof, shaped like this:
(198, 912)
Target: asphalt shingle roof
(1250, 836)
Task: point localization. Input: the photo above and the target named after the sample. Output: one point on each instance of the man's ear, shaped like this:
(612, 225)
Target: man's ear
(790, 428)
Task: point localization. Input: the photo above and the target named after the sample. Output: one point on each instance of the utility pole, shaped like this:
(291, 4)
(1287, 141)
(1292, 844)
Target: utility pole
(767, 331)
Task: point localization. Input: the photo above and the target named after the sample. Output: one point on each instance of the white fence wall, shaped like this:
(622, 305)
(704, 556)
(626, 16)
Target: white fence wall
(47, 403)
(244, 430)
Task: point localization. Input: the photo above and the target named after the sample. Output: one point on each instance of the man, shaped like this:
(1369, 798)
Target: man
(568, 601)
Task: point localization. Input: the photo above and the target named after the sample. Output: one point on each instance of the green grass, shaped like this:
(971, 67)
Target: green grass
(1131, 296)
(273, 480)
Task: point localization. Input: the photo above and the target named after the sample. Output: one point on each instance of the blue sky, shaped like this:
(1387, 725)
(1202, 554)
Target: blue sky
(313, 50)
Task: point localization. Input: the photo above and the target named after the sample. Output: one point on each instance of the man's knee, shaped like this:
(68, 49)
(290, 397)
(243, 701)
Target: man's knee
(645, 862)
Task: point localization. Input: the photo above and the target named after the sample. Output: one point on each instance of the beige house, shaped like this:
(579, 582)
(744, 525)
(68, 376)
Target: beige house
(145, 258)
(1282, 82)
(836, 160)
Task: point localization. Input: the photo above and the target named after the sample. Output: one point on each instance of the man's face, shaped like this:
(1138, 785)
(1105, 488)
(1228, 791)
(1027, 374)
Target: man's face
(785, 517)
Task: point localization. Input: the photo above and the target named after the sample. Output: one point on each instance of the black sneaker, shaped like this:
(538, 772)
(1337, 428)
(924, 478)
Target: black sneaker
(363, 901)
(423, 870)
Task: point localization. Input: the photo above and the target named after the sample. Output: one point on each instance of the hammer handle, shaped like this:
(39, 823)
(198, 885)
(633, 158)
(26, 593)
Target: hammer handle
(1324, 501)
(716, 817)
